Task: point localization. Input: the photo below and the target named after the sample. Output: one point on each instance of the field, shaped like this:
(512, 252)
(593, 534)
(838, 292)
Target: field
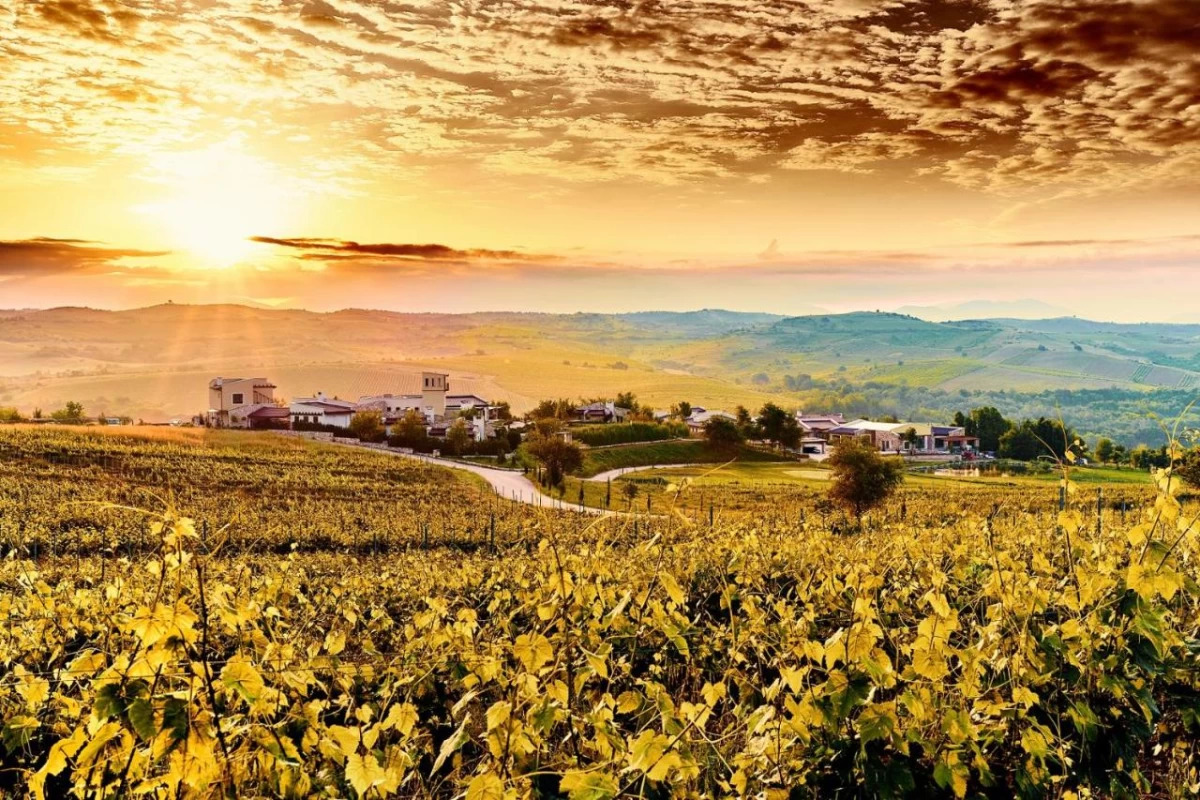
(197, 616)
(685, 451)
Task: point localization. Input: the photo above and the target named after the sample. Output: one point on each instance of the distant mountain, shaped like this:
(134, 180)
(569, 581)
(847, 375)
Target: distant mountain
(154, 362)
(985, 309)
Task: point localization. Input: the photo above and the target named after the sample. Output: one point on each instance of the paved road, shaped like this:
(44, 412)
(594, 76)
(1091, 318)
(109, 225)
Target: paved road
(616, 473)
(510, 484)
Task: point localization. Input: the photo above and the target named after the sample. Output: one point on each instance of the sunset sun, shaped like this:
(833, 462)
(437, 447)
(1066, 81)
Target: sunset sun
(214, 201)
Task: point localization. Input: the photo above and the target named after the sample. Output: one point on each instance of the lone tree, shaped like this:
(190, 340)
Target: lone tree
(72, 412)
(367, 426)
(862, 478)
(458, 438)
(557, 456)
(410, 431)
(778, 426)
(722, 434)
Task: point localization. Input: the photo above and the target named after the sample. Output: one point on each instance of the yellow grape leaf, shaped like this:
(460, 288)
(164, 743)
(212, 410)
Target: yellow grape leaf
(335, 643)
(1024, 696)
(929, 664)
(533, 651)
(674, 590)
(364, 773)
(347, 738)
(498, 714)
(937, 601)
(402, 717)
(485, 787)
(240, 676)
(580, 785)
(56, 761)
(452, 744)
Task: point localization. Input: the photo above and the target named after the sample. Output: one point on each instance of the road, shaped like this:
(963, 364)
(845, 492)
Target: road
(509, 484)
(616, 473)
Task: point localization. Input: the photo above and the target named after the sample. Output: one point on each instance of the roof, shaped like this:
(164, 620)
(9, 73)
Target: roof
(701, 417)
(869, 425)
(326, 406)
(270, 412)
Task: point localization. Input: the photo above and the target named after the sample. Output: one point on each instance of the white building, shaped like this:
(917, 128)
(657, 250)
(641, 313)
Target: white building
(233, 401)
(434, 402)
(322, 410)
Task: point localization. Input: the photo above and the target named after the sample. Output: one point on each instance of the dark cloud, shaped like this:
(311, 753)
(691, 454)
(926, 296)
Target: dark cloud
(46, 256)
(333, 250)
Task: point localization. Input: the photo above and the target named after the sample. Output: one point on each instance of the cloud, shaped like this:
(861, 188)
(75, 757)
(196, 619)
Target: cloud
(45, 256)
(334, 250)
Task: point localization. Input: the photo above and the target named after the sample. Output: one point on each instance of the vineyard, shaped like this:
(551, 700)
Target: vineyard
(207, 617)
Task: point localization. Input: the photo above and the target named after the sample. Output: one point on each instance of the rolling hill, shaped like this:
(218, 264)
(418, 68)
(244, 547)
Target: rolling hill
(154, 362)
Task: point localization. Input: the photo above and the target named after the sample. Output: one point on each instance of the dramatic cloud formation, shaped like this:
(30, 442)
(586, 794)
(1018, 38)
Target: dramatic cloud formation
(682, 131)
(335, 250)
(43, 256)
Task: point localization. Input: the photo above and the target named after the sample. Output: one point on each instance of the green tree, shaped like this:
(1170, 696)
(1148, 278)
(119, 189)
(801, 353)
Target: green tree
(557, 456)
(560, 409)
(862, 478)
(988, 424)
(409, 431)
(10, 415)
(1105, 450)
(630, 490)
(911, 438)
(778, 426)
(682, 409)
(367, 426)
(628, 400)
(722, 434)
(72, 412)
(458, 438)
(1035, 438)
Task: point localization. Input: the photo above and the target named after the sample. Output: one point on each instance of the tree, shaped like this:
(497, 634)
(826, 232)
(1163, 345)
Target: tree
(628, 400)
(553, 409)
(911, 438)
(988, 424)
(1035, 438)
(367, 426)
(458, 438)
(558, 456)
(72, 412)
(779, 426)
(722, 434)
(862, 478)
(410, 431)
(502, 411)
(1105, 450)
(682, 409)
(10, 415)
(630, 490)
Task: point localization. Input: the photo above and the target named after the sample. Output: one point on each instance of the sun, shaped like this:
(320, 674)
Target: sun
(215, 200)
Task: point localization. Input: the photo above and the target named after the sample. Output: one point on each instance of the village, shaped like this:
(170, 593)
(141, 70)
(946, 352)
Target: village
(251, 403)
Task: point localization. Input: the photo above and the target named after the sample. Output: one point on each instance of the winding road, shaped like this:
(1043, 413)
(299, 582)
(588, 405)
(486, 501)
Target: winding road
(507, 483)
(616, 473)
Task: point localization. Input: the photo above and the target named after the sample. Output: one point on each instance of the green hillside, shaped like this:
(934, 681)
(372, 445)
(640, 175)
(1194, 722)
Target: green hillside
(153, 363)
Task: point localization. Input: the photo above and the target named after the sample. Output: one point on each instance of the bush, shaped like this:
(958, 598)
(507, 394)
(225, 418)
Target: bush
(629, 433)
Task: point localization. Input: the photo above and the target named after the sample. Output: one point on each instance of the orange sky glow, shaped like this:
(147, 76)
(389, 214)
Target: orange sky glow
(547, 155)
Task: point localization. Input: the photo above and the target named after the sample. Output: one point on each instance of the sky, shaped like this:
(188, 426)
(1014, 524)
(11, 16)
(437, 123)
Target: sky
(777, 155)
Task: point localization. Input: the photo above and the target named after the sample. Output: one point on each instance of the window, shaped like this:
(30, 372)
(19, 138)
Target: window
(238, 398)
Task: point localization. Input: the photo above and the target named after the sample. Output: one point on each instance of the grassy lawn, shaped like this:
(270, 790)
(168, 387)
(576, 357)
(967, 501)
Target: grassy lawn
(648, 454)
